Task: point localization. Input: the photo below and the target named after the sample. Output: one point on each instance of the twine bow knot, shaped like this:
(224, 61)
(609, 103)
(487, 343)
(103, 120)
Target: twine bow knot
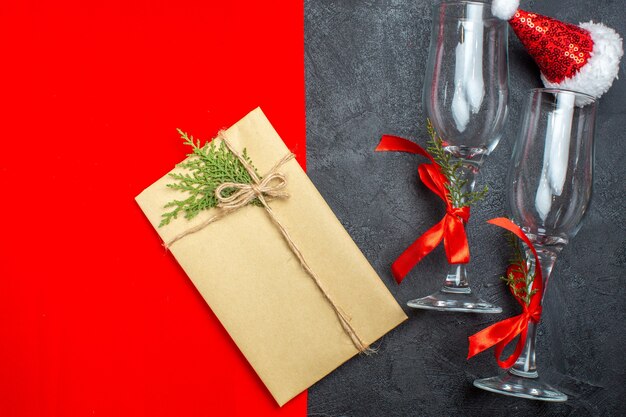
(270, 186)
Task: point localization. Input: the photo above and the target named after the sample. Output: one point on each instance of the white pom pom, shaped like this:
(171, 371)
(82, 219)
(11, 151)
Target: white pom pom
(504, 9)
(595, 77)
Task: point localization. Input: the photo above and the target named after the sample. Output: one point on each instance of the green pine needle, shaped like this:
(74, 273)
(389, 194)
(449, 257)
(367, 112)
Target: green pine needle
(207, 167)
(453, 172)
(518, 261)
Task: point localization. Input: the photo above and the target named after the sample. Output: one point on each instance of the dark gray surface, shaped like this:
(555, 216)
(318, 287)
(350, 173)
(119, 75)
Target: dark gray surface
(365, 62)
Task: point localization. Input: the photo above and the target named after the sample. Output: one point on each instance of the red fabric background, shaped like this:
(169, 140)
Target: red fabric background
(95, 318)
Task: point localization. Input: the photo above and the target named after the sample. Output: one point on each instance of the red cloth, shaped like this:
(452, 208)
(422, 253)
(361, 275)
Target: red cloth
(96, 319)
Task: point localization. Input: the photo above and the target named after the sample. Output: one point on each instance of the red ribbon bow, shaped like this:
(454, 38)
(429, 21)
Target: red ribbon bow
(503, 332)
(451, 229)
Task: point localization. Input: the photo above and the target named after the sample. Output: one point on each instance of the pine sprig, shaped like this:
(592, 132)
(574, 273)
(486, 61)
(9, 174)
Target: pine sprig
(453, 170)
(207, 167)
(519, 278)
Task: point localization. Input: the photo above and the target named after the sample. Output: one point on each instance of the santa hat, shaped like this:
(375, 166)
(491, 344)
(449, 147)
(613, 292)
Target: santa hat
(582, 58)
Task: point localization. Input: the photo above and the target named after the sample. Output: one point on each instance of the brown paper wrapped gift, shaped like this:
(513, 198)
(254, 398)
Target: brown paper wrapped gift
(243, 267)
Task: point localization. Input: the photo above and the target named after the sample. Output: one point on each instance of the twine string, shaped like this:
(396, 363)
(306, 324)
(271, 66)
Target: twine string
(269, 187)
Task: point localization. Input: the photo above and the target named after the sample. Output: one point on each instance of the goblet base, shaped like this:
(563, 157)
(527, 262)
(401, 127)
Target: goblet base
(447, 300)
(522, 387)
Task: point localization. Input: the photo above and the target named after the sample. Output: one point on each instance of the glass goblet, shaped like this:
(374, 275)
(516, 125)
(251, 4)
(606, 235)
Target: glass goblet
(549, 188)
(466, 98)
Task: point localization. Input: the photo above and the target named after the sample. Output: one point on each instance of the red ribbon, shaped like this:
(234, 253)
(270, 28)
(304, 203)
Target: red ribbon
(503, 332)
(451, 229)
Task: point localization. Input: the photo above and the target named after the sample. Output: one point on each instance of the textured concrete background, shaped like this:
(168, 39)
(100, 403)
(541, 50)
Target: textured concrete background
(365, 61)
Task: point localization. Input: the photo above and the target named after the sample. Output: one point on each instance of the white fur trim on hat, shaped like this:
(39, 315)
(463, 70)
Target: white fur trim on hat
(597, 76)
(504, 9)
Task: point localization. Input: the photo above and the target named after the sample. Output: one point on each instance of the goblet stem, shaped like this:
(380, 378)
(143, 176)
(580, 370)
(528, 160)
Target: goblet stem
(525, 366)
(456, 294)
(456, 279)
(522, 380)
(467, 175)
